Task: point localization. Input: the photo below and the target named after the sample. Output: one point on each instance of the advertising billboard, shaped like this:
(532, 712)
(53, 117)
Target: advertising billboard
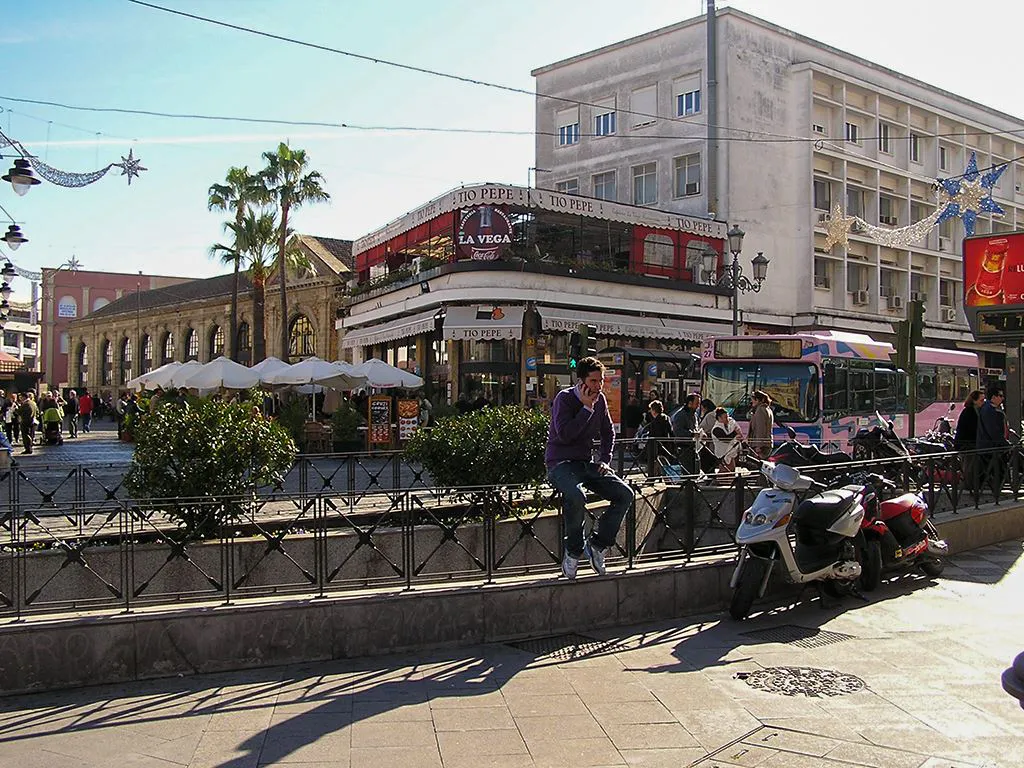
(994, 285)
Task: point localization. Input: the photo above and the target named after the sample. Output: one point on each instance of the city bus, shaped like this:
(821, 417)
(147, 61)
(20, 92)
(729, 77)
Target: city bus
(827, 384)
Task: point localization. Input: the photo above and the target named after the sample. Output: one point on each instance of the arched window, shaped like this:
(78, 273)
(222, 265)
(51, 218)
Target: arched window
(244, 346)
(168, 348)
(126, 361)
(100, 302)
(216, 342)
(147, 353)
(191, 345)
(83, 363)
(301, 337)
(108, 363)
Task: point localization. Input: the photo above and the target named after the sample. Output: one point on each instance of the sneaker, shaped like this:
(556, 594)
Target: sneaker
(569, 566)
(596, 557)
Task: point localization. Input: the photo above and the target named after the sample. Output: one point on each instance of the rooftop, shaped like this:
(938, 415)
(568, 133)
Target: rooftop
(193, 290)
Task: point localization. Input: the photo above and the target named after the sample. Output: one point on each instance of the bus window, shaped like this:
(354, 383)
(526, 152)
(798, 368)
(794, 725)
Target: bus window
(887, 399)
(944, 392)
(926, 388)
(964, 386)
(862, 387)
(834, 384)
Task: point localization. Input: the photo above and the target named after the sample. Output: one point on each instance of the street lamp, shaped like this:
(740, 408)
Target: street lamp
(13, 237)
(21, 177)
(732, 276)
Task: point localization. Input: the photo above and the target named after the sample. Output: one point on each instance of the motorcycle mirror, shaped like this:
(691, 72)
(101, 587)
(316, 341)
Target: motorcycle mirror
(791, 432)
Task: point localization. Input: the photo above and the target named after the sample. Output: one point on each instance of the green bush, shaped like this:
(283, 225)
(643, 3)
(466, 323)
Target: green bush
(293, 417)
(492, 446)
(197, 461)
(345, 423)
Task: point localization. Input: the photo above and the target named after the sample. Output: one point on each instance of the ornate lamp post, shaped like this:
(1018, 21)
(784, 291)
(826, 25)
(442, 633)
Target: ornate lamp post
(732, 276)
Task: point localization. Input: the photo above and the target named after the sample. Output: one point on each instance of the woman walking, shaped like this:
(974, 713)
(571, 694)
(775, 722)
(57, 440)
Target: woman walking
(966, 438)
(762, 422)
(658, 426)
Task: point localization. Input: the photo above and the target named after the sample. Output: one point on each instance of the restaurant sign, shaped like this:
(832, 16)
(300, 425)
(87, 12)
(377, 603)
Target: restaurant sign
(484, 232)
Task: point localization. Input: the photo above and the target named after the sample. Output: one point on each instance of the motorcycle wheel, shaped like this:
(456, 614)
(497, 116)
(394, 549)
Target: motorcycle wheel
(746, 590)
(871, 566)
(932, 568)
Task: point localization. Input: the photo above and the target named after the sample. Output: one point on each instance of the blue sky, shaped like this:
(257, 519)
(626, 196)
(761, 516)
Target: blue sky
(111, 53)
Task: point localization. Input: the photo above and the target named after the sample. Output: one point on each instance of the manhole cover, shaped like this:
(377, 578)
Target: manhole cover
(809, 681)
(566, 647)
(802, 637)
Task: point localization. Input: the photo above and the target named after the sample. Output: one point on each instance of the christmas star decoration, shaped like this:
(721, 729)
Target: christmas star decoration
(130, 166)
(837, 228)
(968, 195)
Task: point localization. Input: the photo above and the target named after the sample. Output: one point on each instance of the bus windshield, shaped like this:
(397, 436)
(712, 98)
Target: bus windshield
(793, 388)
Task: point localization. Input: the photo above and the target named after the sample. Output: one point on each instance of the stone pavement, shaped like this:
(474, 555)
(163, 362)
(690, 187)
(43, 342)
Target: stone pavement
(920, 663)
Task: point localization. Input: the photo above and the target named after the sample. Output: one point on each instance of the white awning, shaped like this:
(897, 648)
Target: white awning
(483, 323)
(401, 328)
(610, 324)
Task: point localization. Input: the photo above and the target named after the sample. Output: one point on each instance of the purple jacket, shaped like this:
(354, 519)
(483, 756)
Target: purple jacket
(574, 429)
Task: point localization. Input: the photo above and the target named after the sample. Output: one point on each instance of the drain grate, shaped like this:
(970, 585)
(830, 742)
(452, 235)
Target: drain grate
(802, 637)
(806, 681)
(567, 647)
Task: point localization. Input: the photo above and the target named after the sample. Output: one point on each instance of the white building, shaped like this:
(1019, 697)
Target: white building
(21, 336)
(876, 140)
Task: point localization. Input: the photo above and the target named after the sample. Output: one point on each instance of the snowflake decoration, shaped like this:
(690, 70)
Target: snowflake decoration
(969, 194)
(130, 166)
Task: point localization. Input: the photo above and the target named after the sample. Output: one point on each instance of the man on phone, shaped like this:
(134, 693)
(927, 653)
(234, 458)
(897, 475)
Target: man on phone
(579, 416)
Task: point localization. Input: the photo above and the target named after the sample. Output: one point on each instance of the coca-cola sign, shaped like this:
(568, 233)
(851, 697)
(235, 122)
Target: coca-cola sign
(994, 285)
(484, 232)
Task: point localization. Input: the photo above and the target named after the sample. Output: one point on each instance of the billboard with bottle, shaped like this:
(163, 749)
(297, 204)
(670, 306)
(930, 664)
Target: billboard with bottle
(994, 285)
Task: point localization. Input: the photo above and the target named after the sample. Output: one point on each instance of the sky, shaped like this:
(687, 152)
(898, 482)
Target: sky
(115, 54)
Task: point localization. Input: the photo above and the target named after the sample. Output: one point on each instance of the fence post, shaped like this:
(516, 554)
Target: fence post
(690, 514)
(631, 529)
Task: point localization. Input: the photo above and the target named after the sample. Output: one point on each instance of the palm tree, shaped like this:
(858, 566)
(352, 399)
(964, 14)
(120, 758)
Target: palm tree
(288, 182)
(256, 242)
(240, 190)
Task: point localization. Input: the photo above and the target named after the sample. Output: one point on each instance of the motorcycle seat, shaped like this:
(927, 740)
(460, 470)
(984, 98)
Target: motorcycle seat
(823, 510)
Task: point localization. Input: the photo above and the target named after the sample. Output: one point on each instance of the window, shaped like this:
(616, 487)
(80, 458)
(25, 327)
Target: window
(301, 337)
(822, 194)
(100, 303)
(947, 293)
(918, 211)
(887, 210)
(793, 388)
(890, 389)
(643, 103)
(604, 123)
(216, 342)
(918, 284)
(65, 342)
(11, 339)
(888, 281)
(604, 186)
(854, 202)
(688, 103)
(168, 347)
(568, 187)
(568, 122)
(946, 229)
(915, 148)
(191, 345)
(884, 140)
(126, 361)
(862, 386)
(687, 176)
(659, 251)
(83, 363)
(244, 346)
(822, 273)
(943, 158)
(834, 373)
(856, 278)
(147, 354)
(926, 384)
(108, 363)
(645, 184)
(853, 133)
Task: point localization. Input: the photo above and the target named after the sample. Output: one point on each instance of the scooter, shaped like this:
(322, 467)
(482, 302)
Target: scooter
(827, 532)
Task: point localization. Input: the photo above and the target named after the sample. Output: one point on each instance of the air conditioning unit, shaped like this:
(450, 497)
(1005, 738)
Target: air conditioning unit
(822, 217)
(890, 220)
(860, 297)
(945, 244)
(948, 314)
(918, 296)
(416, 264)
(895, 301)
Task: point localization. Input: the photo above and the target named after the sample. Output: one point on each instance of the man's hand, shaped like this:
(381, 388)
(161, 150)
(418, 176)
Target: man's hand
(587, 395)
(604, 469)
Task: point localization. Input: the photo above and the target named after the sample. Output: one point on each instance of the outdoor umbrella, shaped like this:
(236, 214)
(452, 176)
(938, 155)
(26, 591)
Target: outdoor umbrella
(181, 374)
(269, 366)
(313, 370)
(159, 377)
(383, 376)
(223, 373)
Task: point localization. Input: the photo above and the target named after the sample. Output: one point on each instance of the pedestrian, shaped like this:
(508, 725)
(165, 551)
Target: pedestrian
(425, 410)
(119, 412)
(965, 439)
(659, 428)
(10, 417)
(684, 427)
(705, 451)
(85, 408)
(28, 412)
(992, 436)
(632, 415)
(726, 438)
(762, 422)
(579, 416)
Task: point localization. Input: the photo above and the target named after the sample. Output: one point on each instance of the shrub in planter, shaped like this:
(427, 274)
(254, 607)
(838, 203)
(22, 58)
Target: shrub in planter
(293, 417)
(345, 423)
(189, 457)
(492, 446)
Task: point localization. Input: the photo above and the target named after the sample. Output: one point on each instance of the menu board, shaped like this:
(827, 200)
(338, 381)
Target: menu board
(380, 419)
(408, 418)
(613, 394)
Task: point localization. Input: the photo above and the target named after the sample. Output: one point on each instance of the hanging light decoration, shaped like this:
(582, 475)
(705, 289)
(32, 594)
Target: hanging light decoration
(5, 291)
(8, 272)
(13, 237)
(21, 177)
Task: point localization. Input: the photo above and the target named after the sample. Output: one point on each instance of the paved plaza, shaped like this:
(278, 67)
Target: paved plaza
(913, 672)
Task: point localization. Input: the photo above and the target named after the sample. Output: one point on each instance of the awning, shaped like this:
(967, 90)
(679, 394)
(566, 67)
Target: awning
(610, 324)
(483, 323)
(401, 328)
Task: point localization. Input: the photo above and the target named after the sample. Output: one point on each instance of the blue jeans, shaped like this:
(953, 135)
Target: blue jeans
(567, 477)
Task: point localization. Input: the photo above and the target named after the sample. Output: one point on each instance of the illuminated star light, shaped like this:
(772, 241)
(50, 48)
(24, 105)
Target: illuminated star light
(130, 166)
(838, 228)
(968, 195)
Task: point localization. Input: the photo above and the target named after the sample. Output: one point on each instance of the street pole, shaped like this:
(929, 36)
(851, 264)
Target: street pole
(138, 322)
(734, 269)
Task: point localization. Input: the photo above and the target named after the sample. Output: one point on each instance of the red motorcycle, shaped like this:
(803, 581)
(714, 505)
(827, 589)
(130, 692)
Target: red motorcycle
(899, 535)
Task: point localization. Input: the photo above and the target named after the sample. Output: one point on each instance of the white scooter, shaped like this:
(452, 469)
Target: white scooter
(825, 525)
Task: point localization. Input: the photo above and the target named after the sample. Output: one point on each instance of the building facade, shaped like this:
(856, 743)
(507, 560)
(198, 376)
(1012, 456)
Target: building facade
(21, 336)
(190, 321)
(869, 139)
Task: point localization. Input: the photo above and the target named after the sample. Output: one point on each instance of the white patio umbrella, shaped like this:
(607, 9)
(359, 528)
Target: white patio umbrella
(268, 366)
(158, 377)
(223, 373)
(383, 376)
(182, 373)
(313, 370)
